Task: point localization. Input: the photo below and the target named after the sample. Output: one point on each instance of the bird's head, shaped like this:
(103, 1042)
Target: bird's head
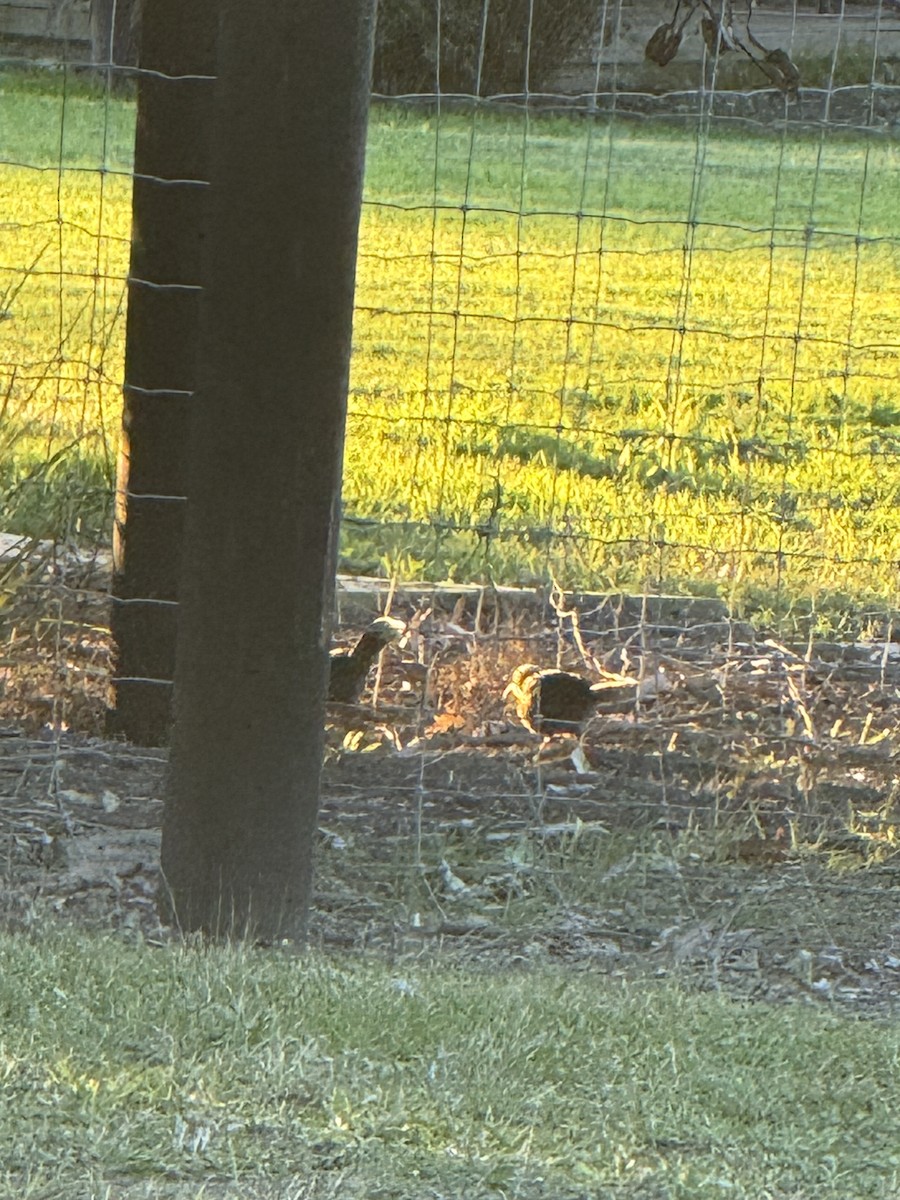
(519, 678)
(387, 630)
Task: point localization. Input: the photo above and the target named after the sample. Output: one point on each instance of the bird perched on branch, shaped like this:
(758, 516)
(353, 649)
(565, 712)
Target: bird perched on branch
(349, 669)
(549, 701)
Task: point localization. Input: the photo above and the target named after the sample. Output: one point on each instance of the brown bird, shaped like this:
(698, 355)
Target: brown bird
(549, 701)
(349, 669)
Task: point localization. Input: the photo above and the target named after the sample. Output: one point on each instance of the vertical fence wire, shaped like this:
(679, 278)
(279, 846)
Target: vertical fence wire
(623, 402)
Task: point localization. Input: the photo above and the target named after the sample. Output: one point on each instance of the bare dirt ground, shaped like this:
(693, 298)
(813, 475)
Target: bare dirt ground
(739, 832)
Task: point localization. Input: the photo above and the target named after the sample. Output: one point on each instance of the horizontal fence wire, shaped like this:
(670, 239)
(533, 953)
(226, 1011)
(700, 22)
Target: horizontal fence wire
(623, 401)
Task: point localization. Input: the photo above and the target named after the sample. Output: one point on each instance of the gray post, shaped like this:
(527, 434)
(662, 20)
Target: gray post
(171, 165)
(268, 426)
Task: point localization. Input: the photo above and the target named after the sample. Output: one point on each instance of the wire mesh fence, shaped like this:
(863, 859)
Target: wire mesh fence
(650, 354)
(623, 403)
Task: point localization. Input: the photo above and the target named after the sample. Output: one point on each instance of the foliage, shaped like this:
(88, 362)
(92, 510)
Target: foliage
(483, 47)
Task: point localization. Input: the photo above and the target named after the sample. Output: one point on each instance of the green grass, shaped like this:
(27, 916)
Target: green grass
(634, 169)
(58, 118)
(630, 353)
(249, 1070)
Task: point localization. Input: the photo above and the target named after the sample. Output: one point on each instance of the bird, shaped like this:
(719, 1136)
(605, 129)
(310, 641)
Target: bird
(349, 669)
(551, 701)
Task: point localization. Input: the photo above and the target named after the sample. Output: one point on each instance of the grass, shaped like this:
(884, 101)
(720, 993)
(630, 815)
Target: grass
(224, 1068)
(523, 400)
(629, 353)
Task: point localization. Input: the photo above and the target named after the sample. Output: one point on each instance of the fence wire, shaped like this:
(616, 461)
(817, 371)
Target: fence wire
(623, 402)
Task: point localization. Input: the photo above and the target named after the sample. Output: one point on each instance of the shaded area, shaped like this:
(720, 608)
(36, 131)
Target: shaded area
(738, 836)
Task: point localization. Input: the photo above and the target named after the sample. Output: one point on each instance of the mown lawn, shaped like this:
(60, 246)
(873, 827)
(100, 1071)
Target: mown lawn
(633, 354)
(129, 1071)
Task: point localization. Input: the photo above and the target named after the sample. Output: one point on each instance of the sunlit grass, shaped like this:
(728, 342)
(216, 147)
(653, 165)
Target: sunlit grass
(630, 354)
(182, 1067)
